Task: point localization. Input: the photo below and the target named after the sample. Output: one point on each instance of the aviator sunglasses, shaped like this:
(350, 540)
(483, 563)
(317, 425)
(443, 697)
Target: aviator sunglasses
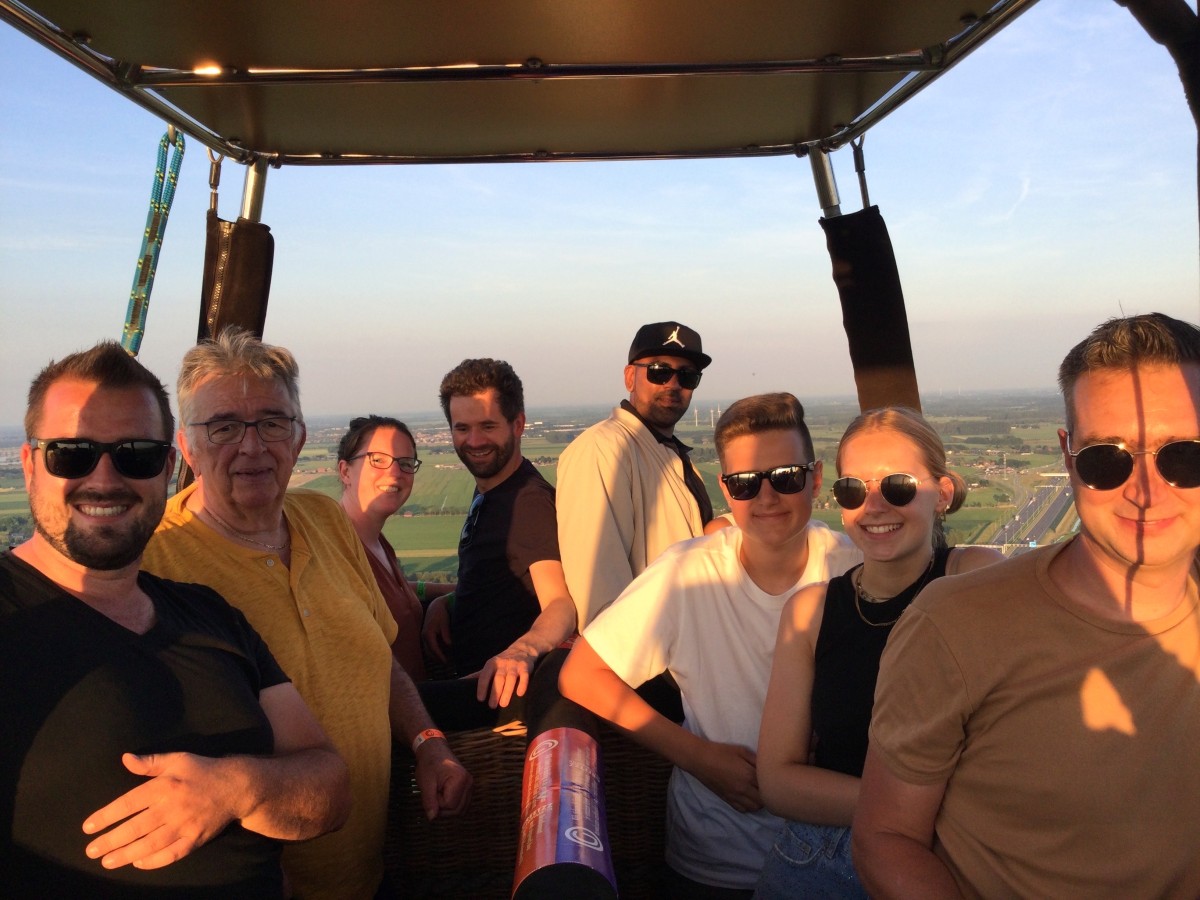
(77, 457)
(898, 489)
(661, 373)
(1105, 467)
(784, 480)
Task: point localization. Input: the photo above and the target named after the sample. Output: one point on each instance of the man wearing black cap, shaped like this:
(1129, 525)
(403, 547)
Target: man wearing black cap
(626, 487)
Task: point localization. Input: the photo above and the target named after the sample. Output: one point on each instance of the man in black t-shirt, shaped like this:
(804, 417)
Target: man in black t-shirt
(511, 605)
(152, 745)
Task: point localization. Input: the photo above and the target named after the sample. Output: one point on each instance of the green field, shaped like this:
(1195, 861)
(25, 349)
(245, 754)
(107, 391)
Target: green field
(1020, 431)
(427, 545)
(13, 502)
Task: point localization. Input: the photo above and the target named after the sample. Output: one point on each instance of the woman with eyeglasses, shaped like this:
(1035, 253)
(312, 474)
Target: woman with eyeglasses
(894, 489)
(377, 460)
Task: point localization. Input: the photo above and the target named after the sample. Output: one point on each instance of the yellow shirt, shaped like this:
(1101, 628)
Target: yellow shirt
(330, 629)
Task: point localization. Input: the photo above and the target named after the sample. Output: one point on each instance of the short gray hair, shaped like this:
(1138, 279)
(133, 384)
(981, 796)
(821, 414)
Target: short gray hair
(235, 351)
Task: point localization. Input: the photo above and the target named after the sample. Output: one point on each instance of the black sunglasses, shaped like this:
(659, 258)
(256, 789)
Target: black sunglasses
(784, 479)
(1105, 467)
(661, 373)
(77, 457)
(468, 529)
(897, 489)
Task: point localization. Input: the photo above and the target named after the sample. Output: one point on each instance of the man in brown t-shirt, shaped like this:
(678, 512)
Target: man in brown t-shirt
(1036, 723)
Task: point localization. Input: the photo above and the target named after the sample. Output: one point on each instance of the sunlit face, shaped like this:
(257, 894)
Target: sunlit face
(662, 405)
(104, 519)
(484, 440)
(381, 491)
(1144, 522)
(772, 519)
(884, 532)
(249, 477)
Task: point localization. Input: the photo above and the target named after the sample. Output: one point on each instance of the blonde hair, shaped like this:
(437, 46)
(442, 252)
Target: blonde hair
(912, 425)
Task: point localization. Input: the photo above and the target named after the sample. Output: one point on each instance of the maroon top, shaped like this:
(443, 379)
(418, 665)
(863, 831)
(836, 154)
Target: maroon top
(406, 610)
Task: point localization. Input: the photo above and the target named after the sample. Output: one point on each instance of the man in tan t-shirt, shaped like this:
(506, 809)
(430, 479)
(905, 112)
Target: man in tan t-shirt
(1036, 723)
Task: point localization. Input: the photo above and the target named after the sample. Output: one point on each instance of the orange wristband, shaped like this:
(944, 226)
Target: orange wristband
(427, 734)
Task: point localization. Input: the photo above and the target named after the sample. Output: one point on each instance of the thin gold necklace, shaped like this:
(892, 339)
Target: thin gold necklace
(244, 537)
(860, 595)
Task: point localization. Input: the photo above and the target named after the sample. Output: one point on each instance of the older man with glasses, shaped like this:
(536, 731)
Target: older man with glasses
(152, 745)
(627, 488)
(1036, 723)
(292, 563)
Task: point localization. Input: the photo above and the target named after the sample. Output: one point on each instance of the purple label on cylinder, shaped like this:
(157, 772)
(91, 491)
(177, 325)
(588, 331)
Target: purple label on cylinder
(562, 809)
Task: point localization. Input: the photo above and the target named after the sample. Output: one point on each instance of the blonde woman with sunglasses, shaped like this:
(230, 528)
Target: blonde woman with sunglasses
(894, 489)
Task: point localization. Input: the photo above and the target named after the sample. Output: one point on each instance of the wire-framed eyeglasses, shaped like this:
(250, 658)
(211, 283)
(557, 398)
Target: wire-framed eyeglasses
(232, 431)
(378, 460)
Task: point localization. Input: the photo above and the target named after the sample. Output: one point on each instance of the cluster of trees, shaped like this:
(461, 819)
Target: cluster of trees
(15, 529)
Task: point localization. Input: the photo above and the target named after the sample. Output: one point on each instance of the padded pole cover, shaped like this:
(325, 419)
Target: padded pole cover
(864, 270)
(238, 257)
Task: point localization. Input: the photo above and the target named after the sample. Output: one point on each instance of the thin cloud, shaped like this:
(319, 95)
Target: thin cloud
(1009, 213)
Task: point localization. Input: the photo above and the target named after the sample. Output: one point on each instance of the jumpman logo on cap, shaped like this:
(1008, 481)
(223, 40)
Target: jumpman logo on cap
(673, 338)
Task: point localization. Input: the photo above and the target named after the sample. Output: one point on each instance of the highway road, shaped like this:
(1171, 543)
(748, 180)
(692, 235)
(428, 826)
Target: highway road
(1036, 517)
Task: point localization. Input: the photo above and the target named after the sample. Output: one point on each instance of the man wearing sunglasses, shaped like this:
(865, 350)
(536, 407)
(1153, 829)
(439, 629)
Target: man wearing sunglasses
(627, 489)
(1036, 724)
(707, 611)
(290, 561)
(511, 605)
(153, 746)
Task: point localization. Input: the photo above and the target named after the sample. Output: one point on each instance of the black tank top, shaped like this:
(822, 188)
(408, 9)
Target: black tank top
(846, 666)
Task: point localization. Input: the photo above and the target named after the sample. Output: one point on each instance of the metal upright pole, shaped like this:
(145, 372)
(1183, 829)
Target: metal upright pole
(254, 188)
(827, 191)
(868, 283)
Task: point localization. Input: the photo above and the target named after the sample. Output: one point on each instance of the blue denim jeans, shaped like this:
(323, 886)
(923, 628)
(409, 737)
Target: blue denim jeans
(810, 862)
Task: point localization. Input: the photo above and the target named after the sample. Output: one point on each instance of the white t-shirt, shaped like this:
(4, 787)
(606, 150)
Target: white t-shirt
(695, 613)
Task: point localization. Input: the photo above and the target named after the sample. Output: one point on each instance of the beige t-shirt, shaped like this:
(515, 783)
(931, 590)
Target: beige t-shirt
(622, 500)
(1069, 743)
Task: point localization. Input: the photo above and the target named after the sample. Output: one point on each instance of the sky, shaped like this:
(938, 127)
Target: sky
(1045, 184)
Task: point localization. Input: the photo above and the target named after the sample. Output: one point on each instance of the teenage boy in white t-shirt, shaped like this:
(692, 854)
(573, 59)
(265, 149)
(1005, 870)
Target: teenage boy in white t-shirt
(707, 611)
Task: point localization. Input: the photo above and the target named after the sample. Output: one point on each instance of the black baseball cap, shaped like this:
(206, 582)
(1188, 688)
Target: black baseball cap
(668, 339)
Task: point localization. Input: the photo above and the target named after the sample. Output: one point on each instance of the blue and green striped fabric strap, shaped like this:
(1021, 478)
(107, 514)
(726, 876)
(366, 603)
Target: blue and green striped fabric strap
(162, 193)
